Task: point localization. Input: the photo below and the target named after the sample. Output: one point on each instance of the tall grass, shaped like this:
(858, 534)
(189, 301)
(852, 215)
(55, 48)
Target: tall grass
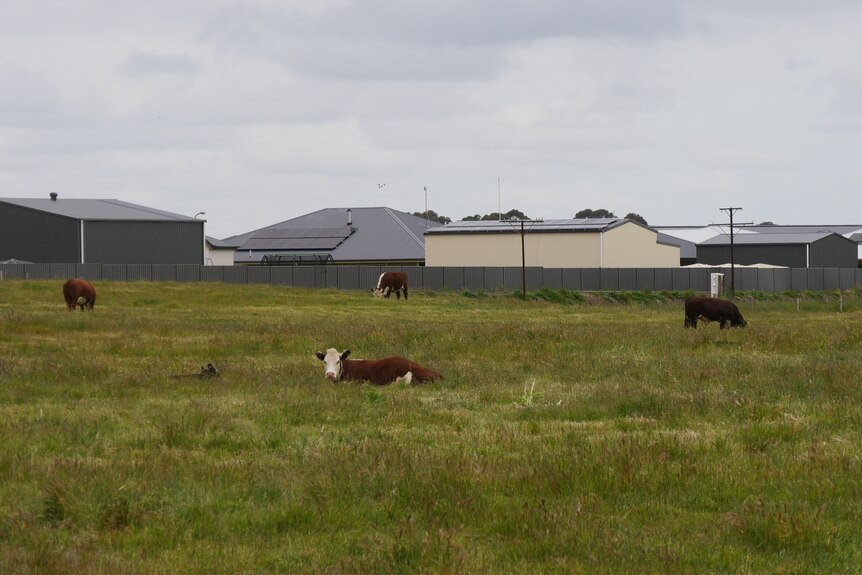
(565, 437)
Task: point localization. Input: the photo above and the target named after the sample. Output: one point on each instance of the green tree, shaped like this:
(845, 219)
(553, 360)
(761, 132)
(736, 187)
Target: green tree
(434, 217)
(588, 213)
(637, 218)
(511, 215)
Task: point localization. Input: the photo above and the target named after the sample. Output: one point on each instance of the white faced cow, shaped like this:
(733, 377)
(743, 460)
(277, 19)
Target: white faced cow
(379, 371)
(389, 282)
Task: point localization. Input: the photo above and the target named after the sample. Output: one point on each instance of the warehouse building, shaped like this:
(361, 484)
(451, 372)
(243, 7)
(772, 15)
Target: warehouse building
(790, 249)
(575, 243)
(72, 230)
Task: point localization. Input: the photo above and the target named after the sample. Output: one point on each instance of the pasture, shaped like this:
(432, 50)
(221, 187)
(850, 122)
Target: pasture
(565, 438)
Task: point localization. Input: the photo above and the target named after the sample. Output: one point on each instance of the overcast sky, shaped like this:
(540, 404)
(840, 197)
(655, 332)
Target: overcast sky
(259, 111)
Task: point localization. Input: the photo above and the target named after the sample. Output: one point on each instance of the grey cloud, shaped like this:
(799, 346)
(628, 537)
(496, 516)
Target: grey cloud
(139, 64)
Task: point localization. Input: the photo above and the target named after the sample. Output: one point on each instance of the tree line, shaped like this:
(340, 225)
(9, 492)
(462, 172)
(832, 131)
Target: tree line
(516, 215)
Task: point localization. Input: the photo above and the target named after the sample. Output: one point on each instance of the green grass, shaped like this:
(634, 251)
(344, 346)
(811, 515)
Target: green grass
(567, 436)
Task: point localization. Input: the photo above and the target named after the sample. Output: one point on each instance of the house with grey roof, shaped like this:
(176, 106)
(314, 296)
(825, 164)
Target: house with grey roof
(74, 230)
(376, 235)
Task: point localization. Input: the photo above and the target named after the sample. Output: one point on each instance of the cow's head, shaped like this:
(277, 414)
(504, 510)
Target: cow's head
(332, 362)
(381, 292)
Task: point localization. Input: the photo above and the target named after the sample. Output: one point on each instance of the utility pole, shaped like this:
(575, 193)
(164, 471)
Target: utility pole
(730, 212)
(523, 231)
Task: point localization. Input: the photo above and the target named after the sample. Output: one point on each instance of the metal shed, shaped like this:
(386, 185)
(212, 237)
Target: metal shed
(106, 231)
(794, 250)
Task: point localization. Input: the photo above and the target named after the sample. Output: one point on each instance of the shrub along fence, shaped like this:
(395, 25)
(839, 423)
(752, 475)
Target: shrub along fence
(456, 278)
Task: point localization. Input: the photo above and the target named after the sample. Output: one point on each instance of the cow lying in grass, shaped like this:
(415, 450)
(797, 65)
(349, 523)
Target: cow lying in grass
(79, 292)
(378, 371)
(711, 309)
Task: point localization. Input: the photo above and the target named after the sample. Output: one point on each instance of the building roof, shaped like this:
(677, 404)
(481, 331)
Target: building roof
(215, 243)
(494, 226)
(769, 238)
(372, 234)
(96, 209)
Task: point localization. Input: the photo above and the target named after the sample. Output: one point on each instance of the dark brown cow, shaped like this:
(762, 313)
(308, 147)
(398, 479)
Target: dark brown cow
(379, 371)
(79, 292)
(712, 309)
(389, 282)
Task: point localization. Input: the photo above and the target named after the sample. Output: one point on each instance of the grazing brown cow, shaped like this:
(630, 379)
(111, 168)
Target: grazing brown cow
(712, 309)
(389, 282)
(379, 371)
(79, 292)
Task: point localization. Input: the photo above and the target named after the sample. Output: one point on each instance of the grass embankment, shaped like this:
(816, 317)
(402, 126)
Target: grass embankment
(564, 438)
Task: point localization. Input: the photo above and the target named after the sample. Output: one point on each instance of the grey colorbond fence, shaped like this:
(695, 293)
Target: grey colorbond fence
(455, 278)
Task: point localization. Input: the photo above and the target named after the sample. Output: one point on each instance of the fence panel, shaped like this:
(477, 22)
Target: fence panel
(645, 278)
(610, 279)
(495, 279)
(663, 279)
(260, 274)
(815, 279)
(781, 279)
(282, 275)
(453, 278)
(348, 278)
(212, 274)
(765, 280)
(234, 274)
(591, 279)
(434, 278)
(415, 278)
(572, 279)
(846, 278)
(139, 272)
(368, 276)
(552, 278)
(88, 271)
(456, 278)
(831, 279)
(474, 278)
(627, 279)
(63, 271)
(188, 273)
(165, 273)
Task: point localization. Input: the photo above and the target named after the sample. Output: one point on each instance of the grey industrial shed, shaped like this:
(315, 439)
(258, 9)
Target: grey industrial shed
(73, 230)
(795, 250)
(373, 235)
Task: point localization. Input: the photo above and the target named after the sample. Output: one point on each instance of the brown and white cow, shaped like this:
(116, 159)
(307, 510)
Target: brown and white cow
(712, 309)
(379, 371)
(78, 292)
(389, 282)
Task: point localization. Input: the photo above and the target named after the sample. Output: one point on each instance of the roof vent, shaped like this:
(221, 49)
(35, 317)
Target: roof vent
(349, 217)
(53, 196)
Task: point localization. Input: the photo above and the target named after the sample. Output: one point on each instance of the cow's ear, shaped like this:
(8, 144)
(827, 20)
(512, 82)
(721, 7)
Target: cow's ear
(345, 354)
(319, 355)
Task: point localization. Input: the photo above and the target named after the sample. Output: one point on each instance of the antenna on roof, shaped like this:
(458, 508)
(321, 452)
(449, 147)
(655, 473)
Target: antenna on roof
(499, 202)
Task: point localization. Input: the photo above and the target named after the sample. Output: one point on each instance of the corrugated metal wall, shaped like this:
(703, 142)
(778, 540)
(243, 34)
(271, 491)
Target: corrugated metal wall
(34, 236)
(125, 242)
(456, 279)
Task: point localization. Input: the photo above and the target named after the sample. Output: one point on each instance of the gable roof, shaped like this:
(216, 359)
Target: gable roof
(787, 238)
(96, 210)
(374, 234)
(502, 227)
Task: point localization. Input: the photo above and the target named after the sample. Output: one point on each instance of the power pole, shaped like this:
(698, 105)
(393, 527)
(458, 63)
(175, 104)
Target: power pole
(730, 212)
(523, 231)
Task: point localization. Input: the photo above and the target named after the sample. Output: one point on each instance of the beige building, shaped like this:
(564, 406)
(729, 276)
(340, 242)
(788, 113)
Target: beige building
(580, 243)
